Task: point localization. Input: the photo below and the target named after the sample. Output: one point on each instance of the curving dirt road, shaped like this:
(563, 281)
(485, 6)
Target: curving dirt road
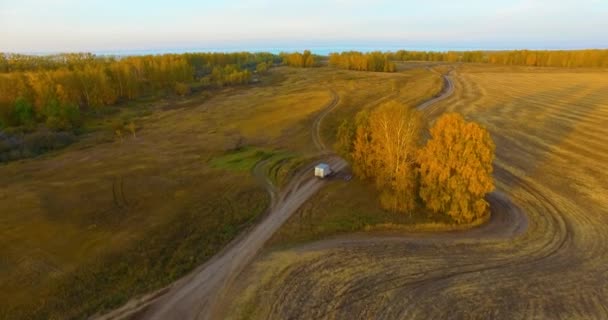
(507, 221)
(316, 126)
(198, 295)
(446, 92)
(549, 263)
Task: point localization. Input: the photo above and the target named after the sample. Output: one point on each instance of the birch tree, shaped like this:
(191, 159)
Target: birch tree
(384, 151)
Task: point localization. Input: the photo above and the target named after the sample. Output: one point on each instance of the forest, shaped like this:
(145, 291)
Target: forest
(384, 61)
(592, 58)
(54, 89)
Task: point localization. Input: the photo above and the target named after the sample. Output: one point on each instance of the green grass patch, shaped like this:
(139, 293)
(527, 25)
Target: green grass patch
(243, 159)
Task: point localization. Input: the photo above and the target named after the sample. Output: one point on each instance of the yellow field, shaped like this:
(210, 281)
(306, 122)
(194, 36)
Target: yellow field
(551, 131)
(88, 227)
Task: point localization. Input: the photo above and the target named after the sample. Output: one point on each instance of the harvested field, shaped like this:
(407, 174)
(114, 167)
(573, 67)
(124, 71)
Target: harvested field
(88, 227)
(543, 254)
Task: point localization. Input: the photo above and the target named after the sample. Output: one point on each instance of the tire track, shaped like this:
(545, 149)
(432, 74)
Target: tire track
(510, 259)
(316, 126)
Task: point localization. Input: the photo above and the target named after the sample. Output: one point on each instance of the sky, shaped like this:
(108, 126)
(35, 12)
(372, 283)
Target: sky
(114, 26)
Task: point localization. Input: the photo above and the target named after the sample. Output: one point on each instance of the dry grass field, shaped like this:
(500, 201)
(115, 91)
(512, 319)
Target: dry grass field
(550, 129)
(90, 226)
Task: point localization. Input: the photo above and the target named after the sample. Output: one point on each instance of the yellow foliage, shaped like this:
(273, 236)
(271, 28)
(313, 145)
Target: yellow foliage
(590, 58)
(89, 81)
(182, 89)
(384, 151)
(300, 60)
(456, 168)
(353, 60)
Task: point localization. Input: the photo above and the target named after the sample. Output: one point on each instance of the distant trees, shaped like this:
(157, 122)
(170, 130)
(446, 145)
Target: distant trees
(229, 75)
(353, 60)
(403, 55)
(300, 60)
(383, 61)
(592, 58)
(53, 89)
(456, 168)
(451, 174)
(551, 58)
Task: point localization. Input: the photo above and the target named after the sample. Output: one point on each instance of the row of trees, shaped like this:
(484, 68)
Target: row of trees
(579, 58)
(591, 58)
(11, 62)
(299, 60)
(202, 62)
(450, 174)
(57, 87)
(353, 60)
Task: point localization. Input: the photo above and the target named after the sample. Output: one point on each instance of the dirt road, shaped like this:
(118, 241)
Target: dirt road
(194, 296)
(546, 263)
(446, 92)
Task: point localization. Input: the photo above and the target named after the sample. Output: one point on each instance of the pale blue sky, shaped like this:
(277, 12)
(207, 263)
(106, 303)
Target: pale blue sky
(123, 25)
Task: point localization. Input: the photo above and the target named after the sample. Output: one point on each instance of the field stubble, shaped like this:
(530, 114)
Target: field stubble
(549, 126)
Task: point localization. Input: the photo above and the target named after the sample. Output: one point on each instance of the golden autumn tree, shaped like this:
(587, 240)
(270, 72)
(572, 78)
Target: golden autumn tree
(300, 60)
(456, 168)
(384, 151)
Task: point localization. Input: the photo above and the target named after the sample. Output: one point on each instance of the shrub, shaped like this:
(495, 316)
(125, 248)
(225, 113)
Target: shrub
(62, 117)
(182, 89)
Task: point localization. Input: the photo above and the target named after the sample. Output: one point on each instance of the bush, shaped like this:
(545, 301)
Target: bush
(182, 89)
(62, 117)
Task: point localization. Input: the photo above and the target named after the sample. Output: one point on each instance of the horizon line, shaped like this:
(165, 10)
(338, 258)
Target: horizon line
(319, 50)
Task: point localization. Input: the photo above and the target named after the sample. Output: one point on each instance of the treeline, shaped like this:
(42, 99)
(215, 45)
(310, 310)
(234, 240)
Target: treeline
(579, 58)
(592, 58)
(299, 60)
(450, 174)
(372, 61)
(11, 62)
(53, 89)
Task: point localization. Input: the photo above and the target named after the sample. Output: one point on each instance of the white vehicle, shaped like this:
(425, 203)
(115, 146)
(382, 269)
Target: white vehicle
(322, 170)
